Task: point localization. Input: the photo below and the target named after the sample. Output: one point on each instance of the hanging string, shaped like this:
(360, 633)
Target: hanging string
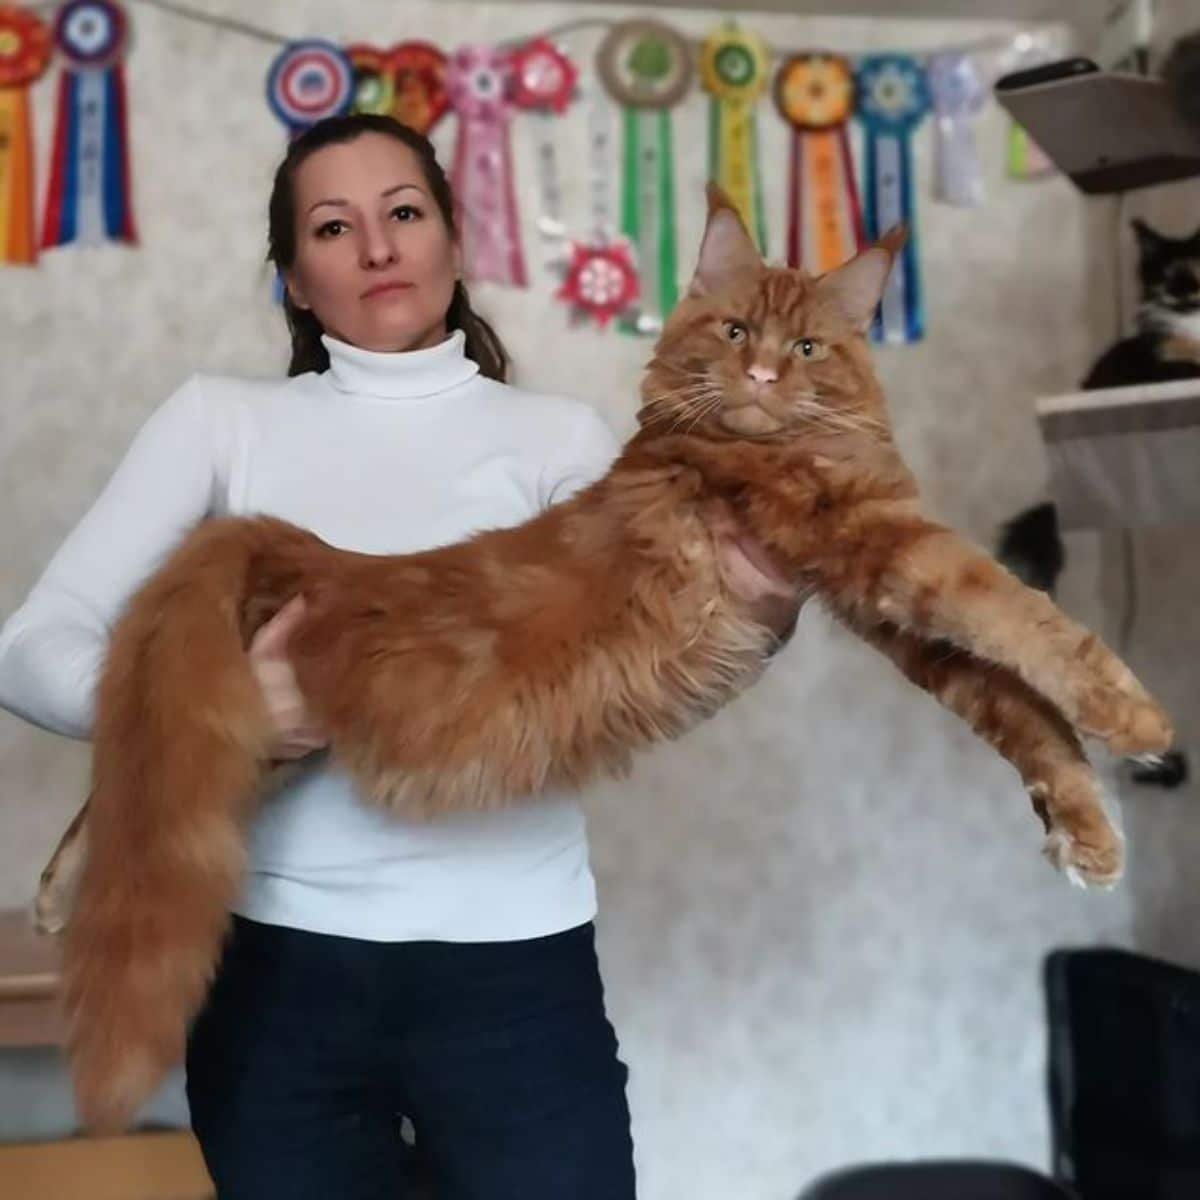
(992, 44)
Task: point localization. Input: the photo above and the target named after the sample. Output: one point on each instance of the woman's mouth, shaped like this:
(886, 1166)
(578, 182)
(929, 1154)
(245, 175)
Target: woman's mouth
(386, 289)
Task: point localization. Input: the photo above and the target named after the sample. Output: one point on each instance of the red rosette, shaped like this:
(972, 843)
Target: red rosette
(418, 75)
(24, 46)
(543, 77)
(601, 280)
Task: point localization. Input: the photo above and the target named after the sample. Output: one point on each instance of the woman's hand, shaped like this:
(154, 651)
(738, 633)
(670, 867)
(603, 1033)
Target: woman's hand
(773, 600)
(295, 732)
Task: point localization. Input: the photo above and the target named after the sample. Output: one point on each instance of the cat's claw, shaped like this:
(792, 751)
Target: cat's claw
(1086, 865)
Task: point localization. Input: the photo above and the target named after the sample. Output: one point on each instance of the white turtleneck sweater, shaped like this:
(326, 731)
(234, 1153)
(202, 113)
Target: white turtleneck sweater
(383, 454)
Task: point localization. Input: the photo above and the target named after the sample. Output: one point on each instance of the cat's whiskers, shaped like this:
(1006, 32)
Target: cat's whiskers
(704, 411)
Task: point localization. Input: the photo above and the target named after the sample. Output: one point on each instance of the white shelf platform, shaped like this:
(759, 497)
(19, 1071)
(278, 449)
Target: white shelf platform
(1124, 457)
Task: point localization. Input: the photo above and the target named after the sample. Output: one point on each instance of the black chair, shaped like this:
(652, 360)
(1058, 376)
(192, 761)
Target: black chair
(948, 1180)
(1124, 1075)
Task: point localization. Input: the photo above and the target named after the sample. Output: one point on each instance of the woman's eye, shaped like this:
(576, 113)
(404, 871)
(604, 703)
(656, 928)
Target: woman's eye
(405, 212)
(330, 229)
(811, 349)
(735, 331)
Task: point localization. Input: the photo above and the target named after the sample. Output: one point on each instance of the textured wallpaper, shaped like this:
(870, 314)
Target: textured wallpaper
(823, 913)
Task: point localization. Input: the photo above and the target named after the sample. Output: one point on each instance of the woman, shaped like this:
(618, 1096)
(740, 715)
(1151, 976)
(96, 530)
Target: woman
(444, 972)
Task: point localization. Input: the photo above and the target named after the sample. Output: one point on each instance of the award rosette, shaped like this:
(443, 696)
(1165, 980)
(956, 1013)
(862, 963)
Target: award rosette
(374, 80)
(601, 281)
(733, 70)
(88, 200)
(309, 81)
(24, 56)
(478, 84)
(958, 94)
(646, 67)
(815, 95)
(543, 77)
(406, 82)
(893, 99)
(543, 83)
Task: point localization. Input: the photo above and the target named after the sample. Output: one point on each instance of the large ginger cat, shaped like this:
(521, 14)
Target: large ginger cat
(544, 655)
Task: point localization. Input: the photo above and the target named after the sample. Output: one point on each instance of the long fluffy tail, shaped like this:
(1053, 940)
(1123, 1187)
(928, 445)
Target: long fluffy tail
(180, 741)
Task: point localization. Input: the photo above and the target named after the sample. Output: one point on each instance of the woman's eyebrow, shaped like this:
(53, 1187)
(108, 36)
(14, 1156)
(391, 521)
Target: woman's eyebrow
(338, 202)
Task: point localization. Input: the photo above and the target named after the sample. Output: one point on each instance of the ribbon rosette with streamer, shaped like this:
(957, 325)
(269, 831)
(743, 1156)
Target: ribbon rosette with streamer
(601, 281)
(733, 70)
(958, 95)
(478, 83)
(24, 55)
(815, 94)
(309, 81)
(543, 83)
(88, 200)
(646, 68)
(406, 82)
(892, 101)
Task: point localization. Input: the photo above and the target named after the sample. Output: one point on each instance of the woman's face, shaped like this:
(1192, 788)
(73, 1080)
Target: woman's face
(374, 258)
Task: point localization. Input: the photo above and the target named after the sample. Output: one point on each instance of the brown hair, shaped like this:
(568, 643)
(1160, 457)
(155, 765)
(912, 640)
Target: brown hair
(308, 354)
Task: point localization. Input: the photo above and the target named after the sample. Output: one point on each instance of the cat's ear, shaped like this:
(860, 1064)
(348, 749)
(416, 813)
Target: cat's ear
(726, 249)
(1149, 241)
(857, 286)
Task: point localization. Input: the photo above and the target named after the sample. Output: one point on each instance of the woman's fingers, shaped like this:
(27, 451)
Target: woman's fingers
(270, 642)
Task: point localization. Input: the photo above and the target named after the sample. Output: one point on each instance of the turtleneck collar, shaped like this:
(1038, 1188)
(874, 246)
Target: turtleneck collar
(399, 375)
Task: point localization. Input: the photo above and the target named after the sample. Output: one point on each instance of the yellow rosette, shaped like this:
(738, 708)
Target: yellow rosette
(734, 66)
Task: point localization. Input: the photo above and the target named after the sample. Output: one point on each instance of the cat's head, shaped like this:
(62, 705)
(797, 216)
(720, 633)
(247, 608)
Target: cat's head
(1169, 270)
(767, 352)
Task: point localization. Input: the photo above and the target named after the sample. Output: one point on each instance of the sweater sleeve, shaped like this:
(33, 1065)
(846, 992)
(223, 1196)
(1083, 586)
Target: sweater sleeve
(52, 648)
(587, 452)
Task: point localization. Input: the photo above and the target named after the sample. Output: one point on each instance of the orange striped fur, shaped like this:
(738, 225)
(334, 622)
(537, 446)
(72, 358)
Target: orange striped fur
(546, 655)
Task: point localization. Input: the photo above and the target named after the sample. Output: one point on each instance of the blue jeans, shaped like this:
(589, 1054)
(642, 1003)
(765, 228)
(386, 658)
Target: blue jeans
(312, 1048)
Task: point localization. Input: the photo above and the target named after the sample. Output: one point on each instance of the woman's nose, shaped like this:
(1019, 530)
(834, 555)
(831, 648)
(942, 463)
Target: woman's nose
(378, 249)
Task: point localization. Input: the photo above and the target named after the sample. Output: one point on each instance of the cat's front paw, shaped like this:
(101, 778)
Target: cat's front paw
(1146, 730)
(1111, 704)
(1086, 865)
(1081, 841)
(1127, 721)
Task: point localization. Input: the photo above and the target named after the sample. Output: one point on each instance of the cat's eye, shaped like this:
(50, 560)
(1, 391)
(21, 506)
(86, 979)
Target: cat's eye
(810, 349)
(735, 331)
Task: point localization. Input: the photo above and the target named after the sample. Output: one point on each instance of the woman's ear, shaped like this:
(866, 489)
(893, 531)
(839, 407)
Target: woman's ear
(458, 260)
(294, 290)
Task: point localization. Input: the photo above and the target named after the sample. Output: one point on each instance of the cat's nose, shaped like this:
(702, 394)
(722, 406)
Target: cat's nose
(761, 374)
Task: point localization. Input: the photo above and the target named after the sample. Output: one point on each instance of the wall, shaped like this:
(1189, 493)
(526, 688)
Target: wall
(823, 914)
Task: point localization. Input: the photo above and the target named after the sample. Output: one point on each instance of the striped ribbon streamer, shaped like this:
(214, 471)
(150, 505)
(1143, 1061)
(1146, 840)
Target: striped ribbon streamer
(24, 55)
(815, 95)
(88, 200)
(893, 99)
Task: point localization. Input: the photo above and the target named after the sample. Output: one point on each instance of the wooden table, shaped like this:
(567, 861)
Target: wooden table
(139, 1166)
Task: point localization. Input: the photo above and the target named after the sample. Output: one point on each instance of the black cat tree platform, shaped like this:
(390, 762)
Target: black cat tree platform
(1108, 131)
(1124, 458)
